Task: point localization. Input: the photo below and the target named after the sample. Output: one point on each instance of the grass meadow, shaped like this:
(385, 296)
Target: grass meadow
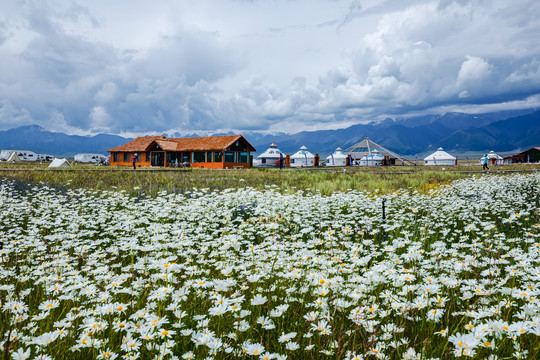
(150, 182)
(263, 264)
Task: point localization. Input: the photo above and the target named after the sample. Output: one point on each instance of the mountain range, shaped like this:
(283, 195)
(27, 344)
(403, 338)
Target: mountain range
(457, 133)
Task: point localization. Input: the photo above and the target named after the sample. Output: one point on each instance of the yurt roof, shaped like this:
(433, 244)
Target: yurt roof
(492, 155)
(271, 153)
(302, 154)
(440, 154)
(338, 154)
(367, 146)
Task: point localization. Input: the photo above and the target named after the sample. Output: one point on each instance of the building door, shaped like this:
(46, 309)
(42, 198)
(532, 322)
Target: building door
(157, 158)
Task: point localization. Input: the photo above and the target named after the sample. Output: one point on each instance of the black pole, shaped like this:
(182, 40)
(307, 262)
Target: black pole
(383, 210)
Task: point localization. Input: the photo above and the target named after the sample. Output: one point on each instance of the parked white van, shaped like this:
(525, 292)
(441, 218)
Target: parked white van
(45, 157)
(90, 158)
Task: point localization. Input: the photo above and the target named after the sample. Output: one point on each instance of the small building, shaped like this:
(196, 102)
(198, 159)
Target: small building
(271, 157)
(338, 158)
(302, 158)
(440, 157)
(214, 152)
(527, 156)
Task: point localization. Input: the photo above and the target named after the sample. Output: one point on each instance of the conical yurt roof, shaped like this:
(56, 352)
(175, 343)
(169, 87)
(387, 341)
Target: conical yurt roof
(271, 153)
(440, 154)
(302, 154)
(338, 154)
(367, 147)
(492, 155)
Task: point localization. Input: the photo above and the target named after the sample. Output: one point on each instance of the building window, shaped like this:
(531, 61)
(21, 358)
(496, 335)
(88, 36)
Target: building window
(209, 156)
(116, 157)
(243, 157)
(126, 157)
(148, 157)
(263, 161)
(229, 157)
(218, 156)
(185, 157)
(292, 161)
(199, 156)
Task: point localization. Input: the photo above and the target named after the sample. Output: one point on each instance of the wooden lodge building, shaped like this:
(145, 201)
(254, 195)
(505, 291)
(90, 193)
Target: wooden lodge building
(528, 156)
(213, 152)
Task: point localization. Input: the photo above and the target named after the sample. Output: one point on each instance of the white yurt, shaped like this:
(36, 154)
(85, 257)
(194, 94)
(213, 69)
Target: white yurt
(494, 159)
(56, 163)
(373, 159)
(440, 157)
(302, 158)
(270, 157)
(338, 158)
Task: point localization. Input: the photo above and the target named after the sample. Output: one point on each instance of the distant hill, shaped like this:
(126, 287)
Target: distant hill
(37, 139)
(457, 133)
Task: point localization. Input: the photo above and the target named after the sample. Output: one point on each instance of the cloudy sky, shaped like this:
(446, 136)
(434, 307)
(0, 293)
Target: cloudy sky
(135, 67)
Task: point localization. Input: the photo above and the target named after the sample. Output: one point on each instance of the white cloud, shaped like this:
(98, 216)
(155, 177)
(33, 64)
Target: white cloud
(11, 115)
(100, 118)
(473, 69)
(221, 64)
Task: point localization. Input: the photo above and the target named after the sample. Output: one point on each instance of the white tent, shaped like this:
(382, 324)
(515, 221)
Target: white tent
(440, 157)
(14, 158)
(302, 158)
(373, 159)
(56, 163)
(494, 159)
(338, 158)
(270, 157)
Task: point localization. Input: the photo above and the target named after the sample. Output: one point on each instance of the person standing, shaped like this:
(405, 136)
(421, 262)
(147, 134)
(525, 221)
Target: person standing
(485, 163)
(134, 159)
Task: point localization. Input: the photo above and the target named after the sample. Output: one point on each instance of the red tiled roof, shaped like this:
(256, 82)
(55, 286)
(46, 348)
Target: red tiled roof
(167, 145)
(140, 143)
(208, 143)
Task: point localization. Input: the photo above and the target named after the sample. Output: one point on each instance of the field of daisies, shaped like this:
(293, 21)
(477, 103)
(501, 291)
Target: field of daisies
(246, 274)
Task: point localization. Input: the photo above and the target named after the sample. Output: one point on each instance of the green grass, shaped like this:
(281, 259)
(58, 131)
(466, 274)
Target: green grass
(152, 181)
